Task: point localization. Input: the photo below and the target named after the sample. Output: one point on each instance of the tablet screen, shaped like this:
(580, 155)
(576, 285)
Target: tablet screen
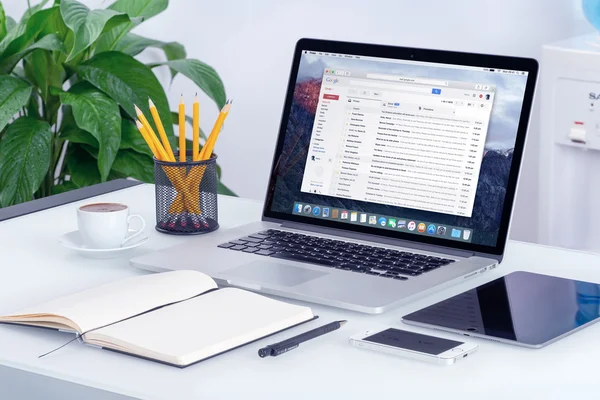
(523, 307)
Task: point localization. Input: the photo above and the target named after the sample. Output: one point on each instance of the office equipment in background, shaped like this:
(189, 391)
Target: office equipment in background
(522, 308)
(177, 318)
(414, 346)
(427, 144)
(277, 349)
(569, 148)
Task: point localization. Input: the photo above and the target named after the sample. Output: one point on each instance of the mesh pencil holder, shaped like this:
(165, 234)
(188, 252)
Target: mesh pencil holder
(186, 196)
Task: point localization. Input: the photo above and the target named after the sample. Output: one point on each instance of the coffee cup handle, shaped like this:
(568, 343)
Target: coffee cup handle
(137, 232)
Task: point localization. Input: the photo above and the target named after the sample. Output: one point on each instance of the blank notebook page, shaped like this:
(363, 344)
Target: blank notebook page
(118, 300)
(196, 329)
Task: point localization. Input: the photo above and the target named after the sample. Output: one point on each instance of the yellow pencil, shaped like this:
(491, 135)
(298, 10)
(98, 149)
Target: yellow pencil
(214, 134)
(161, 130)
(196, 128)
(147, 139)
(182, 150)
(218, 122)
(151, 138)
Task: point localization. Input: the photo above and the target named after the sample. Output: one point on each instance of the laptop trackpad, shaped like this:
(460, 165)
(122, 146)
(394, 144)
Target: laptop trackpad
(273, 273)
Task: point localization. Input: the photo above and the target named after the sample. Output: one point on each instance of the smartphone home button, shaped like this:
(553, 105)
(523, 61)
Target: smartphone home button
(457, 349)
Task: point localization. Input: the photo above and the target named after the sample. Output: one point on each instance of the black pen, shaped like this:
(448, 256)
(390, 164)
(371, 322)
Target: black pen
(291, 343)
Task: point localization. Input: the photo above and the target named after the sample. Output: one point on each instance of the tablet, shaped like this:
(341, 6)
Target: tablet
(522, 308)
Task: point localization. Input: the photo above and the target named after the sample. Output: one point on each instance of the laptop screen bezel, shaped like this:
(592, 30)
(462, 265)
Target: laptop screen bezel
(411, 54)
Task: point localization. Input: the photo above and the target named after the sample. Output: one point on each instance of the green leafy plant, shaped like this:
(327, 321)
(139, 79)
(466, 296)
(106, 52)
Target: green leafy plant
(69, 80)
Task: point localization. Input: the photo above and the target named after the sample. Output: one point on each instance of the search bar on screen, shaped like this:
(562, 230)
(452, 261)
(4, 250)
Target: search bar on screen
(408, 79)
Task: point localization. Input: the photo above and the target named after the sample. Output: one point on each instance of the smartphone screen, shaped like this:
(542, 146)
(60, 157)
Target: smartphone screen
(412, 341)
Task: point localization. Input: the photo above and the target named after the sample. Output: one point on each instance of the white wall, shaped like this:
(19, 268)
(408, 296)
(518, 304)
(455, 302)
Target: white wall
(250, 43)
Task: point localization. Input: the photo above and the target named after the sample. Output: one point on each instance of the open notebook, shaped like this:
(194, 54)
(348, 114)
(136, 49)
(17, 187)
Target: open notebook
(178, 318)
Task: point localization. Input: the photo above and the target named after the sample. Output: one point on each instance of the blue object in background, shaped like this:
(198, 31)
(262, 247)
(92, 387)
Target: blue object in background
(436, 91)
(591, 10)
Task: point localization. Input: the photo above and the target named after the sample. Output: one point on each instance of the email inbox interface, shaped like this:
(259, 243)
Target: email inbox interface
(401, 141)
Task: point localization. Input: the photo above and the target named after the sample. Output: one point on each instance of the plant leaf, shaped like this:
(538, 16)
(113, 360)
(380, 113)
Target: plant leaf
(3, 28)
(133, 45)
(74, 13)
(10, 24)
(83, 168)
(27, 31)
(222, 189)
(33, 106)
(43, 72)
(132, 139)
(24, 160)
(88, 25)
(99, 115)
(64, 187)
(202, 75)
(48, 42)
(128, 82)
(144, 9)
(135, 165)
(14, 94)
(75, 134)
(30, 11)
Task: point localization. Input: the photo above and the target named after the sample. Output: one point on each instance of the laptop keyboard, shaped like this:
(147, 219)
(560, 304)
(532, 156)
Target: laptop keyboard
(363, 259)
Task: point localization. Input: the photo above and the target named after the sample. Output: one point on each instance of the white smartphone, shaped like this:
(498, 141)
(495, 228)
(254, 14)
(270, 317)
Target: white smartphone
(414, 345)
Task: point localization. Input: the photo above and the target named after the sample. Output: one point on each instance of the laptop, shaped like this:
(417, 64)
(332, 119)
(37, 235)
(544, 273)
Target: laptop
(394, 175)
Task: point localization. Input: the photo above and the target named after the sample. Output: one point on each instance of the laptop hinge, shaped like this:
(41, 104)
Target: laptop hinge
(377, 239)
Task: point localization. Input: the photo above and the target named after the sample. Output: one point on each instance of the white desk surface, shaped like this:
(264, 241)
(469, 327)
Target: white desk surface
(34, 268)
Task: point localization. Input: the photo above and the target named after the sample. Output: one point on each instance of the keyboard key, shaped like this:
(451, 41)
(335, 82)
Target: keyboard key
(251, 239)
(250, 250)
(313, 260)
(251, 244)
(379, 271)
(265, 246)
(238, 247)
(226, 245)
(258, 236)
(265, 252)
(239, 242)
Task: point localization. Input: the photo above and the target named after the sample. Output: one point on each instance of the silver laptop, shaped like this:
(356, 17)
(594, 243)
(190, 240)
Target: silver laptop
(394, 174)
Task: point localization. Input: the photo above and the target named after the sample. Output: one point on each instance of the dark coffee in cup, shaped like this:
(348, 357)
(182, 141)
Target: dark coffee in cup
(103, 207)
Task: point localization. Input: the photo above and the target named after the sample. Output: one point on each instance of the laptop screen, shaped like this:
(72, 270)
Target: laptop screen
(418, 148)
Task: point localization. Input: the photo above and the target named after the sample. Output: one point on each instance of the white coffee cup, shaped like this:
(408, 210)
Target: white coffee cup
(106, 225)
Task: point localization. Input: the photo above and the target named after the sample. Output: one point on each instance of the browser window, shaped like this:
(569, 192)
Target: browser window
(398, 140)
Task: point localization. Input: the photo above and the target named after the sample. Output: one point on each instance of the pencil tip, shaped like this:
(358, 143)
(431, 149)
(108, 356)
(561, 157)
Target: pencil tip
(342, 323)
(137, 110)
(151, 103)
(138, 124)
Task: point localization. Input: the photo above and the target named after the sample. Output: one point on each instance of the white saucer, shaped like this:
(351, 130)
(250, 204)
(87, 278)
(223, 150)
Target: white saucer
(73, 241)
